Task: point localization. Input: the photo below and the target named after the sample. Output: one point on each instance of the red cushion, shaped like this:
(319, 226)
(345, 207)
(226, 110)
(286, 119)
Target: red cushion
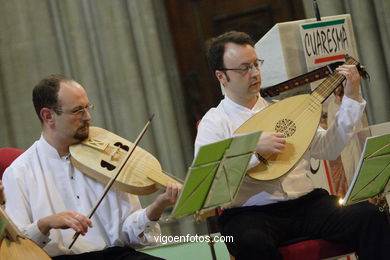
(317, 249)
(7, 156)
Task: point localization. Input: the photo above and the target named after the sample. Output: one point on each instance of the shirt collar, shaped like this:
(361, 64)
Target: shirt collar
(259, 105)
(49, 150)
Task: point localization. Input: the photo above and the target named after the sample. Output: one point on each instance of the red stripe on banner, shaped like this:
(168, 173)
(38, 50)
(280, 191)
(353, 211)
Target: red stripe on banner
(331, 58)
(328, 177)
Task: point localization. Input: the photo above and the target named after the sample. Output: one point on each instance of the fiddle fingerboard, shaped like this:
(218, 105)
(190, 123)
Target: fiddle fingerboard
(161, 178)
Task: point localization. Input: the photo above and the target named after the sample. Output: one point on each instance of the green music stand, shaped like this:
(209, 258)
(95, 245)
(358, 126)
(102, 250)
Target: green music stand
(373, 173)
(215, 175)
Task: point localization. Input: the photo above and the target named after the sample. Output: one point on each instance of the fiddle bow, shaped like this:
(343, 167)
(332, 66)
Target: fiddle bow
(115, 161)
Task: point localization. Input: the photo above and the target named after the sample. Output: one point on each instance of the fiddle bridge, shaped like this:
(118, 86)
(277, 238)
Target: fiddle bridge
(111, 154)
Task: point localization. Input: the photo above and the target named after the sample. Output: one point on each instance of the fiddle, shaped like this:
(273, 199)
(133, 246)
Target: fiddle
(105, 157)
(102, 155)
(14, 246)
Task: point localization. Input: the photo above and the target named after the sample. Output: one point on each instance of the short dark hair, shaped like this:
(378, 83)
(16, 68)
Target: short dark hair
(45, 93)
(215, 47)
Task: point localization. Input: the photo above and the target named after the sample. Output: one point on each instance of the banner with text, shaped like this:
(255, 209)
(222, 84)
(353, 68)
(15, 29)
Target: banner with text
(325, 42)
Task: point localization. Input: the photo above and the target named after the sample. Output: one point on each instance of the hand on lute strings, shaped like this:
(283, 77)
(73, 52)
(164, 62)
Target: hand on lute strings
(352, 84)
(270, 143)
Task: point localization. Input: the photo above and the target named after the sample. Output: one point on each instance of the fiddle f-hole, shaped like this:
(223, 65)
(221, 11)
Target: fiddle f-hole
(122, 146)
(107, 165)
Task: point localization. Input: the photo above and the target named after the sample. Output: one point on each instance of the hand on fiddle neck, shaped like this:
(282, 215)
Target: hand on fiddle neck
(168, 198)
(64, 220)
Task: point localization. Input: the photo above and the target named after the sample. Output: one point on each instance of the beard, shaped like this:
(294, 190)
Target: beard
(82, 132)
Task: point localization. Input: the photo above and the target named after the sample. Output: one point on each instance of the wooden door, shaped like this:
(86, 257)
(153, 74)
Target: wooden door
(192, 22)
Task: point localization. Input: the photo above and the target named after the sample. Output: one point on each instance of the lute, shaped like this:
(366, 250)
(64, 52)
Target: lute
(297, 118)
(14, 246)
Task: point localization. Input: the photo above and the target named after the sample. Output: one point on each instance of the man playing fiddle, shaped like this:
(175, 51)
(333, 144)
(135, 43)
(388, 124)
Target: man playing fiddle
(268, 213)
(48, 198)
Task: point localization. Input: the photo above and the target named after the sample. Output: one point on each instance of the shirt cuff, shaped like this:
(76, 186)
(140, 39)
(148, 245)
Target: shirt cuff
(353, 102)
(350, 112)
(255, 160)
(142, 227)
(148, 224)
(148, 228)
(36, 235)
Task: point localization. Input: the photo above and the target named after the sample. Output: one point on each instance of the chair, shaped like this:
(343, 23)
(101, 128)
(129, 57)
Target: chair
(313, 249)
(300, 248)
(7, 156)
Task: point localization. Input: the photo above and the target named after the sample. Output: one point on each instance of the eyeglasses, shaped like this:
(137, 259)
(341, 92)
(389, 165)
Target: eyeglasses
(244, 69)
(77, 111)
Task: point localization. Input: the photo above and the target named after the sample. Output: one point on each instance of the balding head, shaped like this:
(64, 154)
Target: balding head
(45, 93)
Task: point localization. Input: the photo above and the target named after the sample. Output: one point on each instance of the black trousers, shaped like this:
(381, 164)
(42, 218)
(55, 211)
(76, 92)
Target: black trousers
(111, 253)
(259, 230)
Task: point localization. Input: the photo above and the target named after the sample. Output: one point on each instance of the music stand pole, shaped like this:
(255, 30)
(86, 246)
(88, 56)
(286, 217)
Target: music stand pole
(316, 10)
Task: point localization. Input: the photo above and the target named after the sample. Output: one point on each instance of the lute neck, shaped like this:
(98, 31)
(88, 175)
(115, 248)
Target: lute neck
(11, 230)
(323, 91)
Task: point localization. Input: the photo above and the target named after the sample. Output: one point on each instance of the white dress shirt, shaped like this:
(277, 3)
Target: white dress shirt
(222, 121)
(40, 183)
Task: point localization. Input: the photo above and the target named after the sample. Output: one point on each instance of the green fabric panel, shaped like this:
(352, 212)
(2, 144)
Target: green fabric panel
(211, 153)
(226, 184)
(374, 170)
(197, 187)
(378, 146)
(216, 174)
(374, 175)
